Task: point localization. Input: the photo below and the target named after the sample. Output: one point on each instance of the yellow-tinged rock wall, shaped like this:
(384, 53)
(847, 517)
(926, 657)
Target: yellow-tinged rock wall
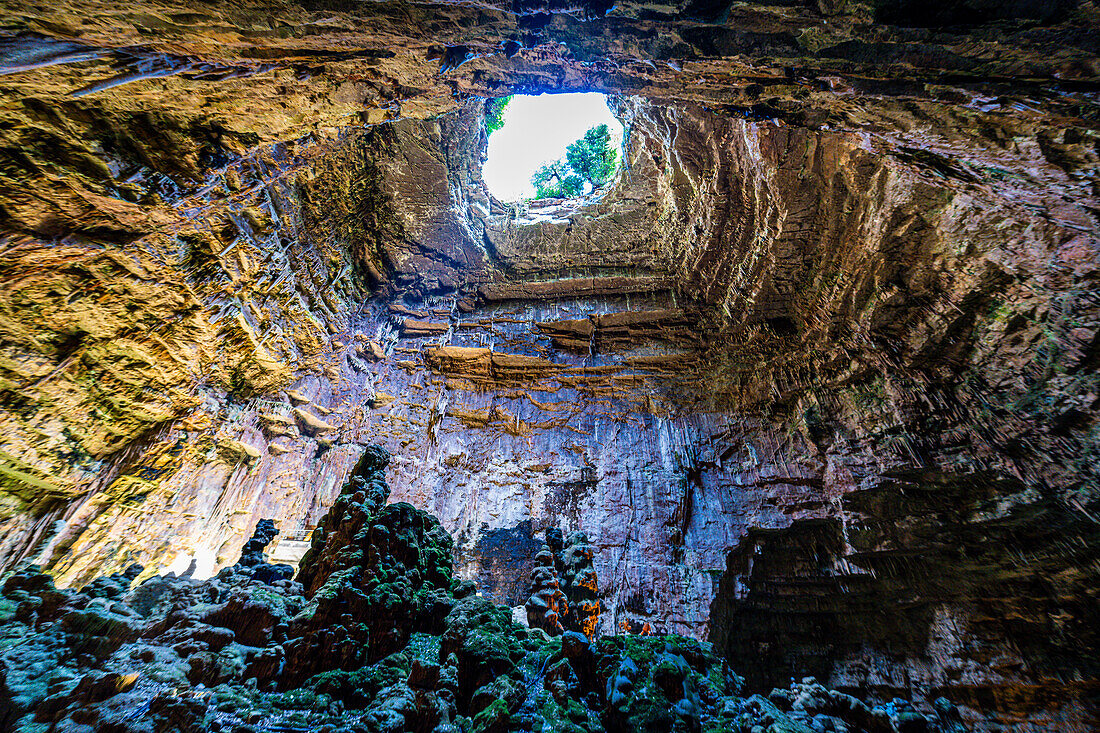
(832, 333)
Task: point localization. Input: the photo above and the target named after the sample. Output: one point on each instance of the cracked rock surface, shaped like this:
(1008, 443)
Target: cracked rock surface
(815, 376)
(371, 635)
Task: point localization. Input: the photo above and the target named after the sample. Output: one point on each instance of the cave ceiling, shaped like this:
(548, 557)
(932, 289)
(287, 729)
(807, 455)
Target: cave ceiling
(842, 302)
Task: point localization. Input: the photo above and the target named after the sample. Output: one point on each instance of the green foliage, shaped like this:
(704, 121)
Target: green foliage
(484, 637)
(494, 113)
(494, 717)
(301, 699)
(424, 647)
(591, 159)
(556, 180)
(279, 605)
(7, 613)
(383, 575)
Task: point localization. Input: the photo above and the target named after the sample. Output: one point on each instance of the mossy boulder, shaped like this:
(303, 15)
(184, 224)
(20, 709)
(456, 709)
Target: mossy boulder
(375, 635)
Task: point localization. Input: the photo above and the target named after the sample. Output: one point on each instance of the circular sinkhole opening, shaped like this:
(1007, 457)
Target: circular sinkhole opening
(550, 146)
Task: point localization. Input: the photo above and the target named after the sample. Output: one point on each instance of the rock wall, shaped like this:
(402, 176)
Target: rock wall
(824, 352)
(373, 634)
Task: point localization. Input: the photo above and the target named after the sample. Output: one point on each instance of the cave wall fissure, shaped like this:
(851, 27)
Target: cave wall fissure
(816, 377)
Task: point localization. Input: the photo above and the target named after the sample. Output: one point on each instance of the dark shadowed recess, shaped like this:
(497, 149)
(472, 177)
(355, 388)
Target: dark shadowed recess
(506, 556)
(920, 550)
(924, 14)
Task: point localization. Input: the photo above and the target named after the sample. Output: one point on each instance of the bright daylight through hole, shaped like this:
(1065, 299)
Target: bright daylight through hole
(551, 145)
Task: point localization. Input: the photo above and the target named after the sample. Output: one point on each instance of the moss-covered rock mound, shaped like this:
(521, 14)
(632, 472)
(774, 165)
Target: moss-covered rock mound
(373, 635)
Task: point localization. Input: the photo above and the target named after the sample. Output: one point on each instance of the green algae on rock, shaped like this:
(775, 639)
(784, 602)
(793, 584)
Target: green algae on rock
(375, 635)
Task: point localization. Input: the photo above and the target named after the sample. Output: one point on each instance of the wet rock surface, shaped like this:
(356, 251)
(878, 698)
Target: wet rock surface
(851, 601)
(564, 587)
(373, 634)
(816, 376)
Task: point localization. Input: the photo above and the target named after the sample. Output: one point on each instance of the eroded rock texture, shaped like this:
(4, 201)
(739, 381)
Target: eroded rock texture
(371, 636)
(816, 376)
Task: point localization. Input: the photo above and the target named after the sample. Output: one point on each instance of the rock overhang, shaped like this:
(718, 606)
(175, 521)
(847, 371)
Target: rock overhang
(875, 245)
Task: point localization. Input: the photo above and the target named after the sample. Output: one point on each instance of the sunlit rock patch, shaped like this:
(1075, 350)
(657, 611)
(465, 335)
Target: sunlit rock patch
(372, 634)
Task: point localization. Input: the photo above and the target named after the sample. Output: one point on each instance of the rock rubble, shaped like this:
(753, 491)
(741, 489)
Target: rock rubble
(374, 633)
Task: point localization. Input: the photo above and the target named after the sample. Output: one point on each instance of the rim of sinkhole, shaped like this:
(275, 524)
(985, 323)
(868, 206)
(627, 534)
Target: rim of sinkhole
(555, 138)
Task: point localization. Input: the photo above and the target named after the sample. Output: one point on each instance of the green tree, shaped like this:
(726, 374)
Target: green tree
(494, 113)
(592, 157)
(591, 160)
(556, 180)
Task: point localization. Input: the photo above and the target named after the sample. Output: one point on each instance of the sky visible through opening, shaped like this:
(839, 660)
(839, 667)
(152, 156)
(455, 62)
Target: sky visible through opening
(537, 130)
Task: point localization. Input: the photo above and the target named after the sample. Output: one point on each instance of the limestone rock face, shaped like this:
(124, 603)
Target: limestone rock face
(564, 587)
(816, 375)
(252, 647)
(376, 574)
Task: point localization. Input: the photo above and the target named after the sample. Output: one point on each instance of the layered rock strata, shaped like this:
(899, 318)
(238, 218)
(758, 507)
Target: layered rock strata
(372, 635)
(831, 333)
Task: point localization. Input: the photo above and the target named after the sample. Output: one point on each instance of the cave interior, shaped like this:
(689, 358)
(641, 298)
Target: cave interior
(791, 425)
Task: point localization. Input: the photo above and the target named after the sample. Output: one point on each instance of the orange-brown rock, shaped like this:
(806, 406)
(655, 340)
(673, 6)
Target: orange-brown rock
(412, 329)
(815, 375)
